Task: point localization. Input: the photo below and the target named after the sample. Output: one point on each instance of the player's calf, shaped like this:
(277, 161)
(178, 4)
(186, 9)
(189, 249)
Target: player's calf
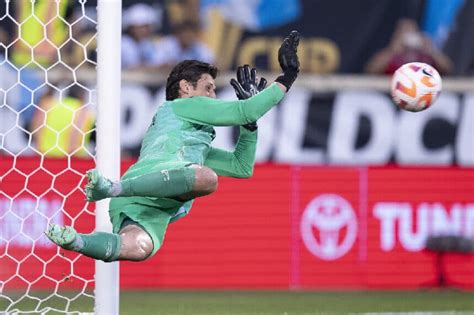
(98, 245)
(184, 183)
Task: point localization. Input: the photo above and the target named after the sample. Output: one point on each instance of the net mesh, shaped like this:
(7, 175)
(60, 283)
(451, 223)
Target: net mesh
(46, 135)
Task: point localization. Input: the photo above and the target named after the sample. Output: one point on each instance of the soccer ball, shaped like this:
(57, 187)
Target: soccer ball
(415, 86)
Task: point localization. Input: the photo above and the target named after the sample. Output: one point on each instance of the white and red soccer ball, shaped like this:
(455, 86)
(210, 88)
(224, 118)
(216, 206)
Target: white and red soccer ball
(415, 86)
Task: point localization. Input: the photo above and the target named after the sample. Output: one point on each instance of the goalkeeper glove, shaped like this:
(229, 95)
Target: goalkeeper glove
(247, 86)
(288, 59)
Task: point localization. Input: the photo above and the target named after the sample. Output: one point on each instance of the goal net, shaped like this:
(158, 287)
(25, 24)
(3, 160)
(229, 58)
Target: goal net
(47, 137)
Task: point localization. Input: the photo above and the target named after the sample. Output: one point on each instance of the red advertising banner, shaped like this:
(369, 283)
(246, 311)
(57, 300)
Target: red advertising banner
(287, 227)
(34, 192)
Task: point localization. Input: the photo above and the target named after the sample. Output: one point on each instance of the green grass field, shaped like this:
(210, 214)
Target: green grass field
(446, 302)
(293, 303)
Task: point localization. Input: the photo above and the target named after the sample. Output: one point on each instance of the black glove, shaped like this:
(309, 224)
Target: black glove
(247, 86)
(288, 59)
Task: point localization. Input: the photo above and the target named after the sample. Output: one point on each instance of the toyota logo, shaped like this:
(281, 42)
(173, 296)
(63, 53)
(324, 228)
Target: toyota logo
(322, 225)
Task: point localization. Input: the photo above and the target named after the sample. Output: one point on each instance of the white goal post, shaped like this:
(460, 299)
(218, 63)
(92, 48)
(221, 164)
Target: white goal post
(109, 32)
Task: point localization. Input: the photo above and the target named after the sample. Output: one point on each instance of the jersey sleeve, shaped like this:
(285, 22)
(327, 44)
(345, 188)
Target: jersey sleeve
(239, 163)
(210, 111)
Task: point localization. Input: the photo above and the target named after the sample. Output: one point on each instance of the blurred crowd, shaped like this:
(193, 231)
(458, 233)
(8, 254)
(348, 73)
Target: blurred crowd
(141, 50)
(44, 98)
(57, 113)
(408, 44)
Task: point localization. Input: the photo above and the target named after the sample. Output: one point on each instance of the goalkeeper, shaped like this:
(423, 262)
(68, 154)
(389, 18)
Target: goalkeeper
(177, 162)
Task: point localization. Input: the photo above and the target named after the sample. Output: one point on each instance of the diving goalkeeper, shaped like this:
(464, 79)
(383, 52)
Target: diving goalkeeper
(177, 162)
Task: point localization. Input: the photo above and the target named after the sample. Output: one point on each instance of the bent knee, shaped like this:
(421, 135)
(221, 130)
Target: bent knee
(144, 247)
(211, 180)
(206, 180)
(137, 245)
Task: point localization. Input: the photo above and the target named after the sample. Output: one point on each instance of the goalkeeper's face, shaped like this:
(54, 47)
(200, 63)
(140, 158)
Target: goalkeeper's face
(205, 86)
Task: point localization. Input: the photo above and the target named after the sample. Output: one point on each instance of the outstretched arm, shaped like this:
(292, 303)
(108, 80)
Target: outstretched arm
(238, 163)
(208, 111)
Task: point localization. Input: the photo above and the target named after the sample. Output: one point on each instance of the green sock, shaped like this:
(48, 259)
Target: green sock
(167, 183)
(98, 245)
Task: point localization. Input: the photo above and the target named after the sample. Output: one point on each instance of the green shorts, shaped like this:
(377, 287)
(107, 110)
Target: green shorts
(152, 214)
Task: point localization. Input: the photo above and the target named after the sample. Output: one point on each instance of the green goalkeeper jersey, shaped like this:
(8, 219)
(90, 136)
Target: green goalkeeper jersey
(182, 131)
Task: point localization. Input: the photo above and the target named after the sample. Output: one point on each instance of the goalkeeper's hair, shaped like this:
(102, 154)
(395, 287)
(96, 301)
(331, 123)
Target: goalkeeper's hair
(189, 70)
